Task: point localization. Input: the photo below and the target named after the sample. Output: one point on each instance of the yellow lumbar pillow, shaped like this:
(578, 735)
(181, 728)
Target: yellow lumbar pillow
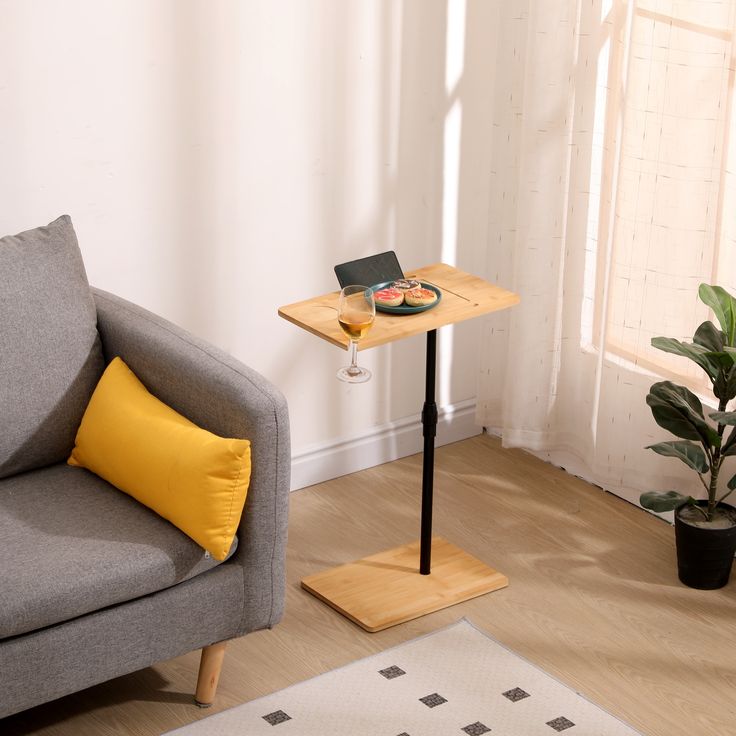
(193, 478)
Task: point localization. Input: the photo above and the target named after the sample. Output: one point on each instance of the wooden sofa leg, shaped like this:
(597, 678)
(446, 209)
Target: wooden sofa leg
(209, 673)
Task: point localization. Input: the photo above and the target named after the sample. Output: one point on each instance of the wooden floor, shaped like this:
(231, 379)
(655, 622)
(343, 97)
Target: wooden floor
(593, 599)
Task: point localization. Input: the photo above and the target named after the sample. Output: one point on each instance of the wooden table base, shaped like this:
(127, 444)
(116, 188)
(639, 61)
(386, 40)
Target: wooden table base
(386, 589)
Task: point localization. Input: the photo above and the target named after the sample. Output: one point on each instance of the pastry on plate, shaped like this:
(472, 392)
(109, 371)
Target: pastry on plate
(389, 297)
(406, 284)
(420, 297)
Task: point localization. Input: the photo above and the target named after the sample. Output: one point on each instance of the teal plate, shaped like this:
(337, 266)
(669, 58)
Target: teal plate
(403, 308)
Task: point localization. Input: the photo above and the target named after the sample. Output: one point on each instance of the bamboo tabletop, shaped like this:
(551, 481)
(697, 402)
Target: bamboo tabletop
(464, 296)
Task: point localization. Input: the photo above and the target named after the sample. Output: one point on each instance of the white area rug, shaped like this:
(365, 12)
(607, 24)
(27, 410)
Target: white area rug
(457, 681)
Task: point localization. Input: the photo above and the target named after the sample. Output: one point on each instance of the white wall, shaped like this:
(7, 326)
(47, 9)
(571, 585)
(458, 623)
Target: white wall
(219, 157)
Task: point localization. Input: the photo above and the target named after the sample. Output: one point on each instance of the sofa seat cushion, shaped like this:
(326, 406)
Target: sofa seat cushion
(50, 351)
(70, 544)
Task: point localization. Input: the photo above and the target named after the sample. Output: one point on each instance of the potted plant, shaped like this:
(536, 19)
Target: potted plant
(705, 530)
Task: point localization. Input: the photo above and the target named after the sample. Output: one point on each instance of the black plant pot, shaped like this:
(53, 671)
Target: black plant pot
(705, 555)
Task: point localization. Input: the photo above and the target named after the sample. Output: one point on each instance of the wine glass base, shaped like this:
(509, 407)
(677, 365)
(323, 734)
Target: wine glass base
(352, 376)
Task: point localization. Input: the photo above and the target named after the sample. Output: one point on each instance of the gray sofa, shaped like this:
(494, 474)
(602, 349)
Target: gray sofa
(93, 584)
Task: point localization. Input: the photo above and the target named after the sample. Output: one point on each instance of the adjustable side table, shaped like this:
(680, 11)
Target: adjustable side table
(406, 582)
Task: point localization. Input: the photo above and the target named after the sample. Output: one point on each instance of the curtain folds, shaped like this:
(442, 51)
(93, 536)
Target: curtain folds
(613, 198)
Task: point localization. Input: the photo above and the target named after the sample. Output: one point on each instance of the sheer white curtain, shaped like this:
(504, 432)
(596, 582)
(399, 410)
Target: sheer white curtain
(614, 183)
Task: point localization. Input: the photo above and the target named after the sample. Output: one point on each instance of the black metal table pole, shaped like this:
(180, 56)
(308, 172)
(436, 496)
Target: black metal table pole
(429, 430)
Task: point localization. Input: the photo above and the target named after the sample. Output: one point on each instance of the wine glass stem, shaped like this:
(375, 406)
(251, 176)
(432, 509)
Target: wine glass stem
(353, 358)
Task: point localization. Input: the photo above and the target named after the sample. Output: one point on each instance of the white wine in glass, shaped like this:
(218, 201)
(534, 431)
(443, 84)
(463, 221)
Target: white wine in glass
(356, 311)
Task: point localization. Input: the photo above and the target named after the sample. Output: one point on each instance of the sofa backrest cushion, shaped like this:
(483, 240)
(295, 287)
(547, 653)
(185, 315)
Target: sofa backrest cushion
(50, 351)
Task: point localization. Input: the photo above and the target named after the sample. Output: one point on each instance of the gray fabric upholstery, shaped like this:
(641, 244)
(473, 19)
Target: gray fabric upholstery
(50, 355)
(73, 544)
(243, 594)
(48, 663)
(226, 397)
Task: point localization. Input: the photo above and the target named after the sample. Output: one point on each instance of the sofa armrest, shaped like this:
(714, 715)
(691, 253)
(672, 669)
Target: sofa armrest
(220, 394)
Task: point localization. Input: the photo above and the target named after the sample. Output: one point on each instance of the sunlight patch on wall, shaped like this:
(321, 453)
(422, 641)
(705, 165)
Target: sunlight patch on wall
(451, 182)
(454, 45)
(454, 66)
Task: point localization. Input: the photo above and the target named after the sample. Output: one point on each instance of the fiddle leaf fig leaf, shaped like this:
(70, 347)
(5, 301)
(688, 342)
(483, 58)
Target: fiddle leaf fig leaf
(697, 353)
(677, 347)
(724, 387)
(732, 483)
(723, 359)
(723, 306)
(730, 385)
(690, 453)
(729, 447)
(724, 417)
(678, 410)
(709, 337)
(660, 501)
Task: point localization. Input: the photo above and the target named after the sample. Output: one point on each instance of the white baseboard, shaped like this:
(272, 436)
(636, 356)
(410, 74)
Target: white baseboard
(381, 445)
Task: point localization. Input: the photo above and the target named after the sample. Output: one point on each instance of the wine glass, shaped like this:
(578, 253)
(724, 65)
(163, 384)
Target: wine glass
(356, 311)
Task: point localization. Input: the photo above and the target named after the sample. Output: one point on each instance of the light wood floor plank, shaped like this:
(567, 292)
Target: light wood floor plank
(593, 599)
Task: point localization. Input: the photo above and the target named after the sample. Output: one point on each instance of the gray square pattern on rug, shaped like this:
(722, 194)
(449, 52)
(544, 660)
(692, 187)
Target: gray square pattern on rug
(456, 681)
(433, 700)
(390, 672)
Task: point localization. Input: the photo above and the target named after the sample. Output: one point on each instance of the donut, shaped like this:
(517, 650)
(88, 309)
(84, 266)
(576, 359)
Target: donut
(420, 297)
(389, 297)
(406, 284)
